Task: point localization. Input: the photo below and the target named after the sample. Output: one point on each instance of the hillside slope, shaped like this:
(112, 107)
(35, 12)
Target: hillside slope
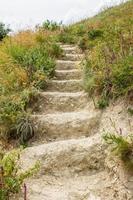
(68, 98)
(74, 161)
(107, 40)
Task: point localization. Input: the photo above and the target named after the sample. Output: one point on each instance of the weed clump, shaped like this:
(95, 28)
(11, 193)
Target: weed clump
(93, 34)
(11, 179)
(121, 146)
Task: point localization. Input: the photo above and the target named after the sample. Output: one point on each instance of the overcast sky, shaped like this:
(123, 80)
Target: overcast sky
(27, 13)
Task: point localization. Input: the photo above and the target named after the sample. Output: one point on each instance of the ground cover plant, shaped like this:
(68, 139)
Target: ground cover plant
(11, 180)
(107, 40)
(121, 146)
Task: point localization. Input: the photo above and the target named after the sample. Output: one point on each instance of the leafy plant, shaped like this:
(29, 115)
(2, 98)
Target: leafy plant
(83, 45)
(93, 34)
(80, 30)
(103, 102)
(66, 36)
(122, 146)
(25, 129)
(130, 111)
(11, 179)
(11, 108)
(3, 31)
(39, 80)
(51, 25)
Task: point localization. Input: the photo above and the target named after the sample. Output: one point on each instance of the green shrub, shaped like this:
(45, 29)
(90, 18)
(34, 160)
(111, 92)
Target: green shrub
(11, 181)
(17, 52)
(83, 44)
(36, 58)
(121, 146)
(51, 25)
(39, 59)
(130, 111)
(3, 31)
(80, 30)
(11, 109)
(103, 102)
(66, 35)
(39, 80)
(55, 51)
(66, 38)
(122, 76)
(93, 34)
(25, 129)
(111, 76)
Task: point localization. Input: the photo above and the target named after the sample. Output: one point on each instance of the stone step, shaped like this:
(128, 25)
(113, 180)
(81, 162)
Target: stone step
(85, 187)
(59, 126)
(49, 102)
(66, 65)
(68, 46)
(71, 50)
(65, 85)
(66, 157)
(67, 168)
(68, 74)
(73, 57)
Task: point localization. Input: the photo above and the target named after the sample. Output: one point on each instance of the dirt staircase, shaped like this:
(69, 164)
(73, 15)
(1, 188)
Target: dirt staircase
(67, 142)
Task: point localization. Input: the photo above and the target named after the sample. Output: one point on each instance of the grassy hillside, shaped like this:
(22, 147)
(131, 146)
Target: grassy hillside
(27, 61)
(107, 40)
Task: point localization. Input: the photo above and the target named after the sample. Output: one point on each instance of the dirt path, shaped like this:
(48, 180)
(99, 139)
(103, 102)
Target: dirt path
(68, 143)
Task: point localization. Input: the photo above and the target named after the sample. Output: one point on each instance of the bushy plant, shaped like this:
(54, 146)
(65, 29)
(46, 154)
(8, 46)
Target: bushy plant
(103, 102)
(121, 146)
(83, 44)
(66, 35)
(25, 129)
(11, 179)
(65, 38)
(39, 80)
(11, 108)
(39, 59)
(36, 58)
(130, 111)
(80, 30)
(51, 25)
(110, 78)
(3, 31)
(93, 34)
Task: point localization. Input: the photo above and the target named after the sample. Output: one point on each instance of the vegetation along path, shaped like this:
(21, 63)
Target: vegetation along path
(68, 144)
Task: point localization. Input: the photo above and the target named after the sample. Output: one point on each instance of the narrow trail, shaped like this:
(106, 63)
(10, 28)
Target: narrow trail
(68, 145)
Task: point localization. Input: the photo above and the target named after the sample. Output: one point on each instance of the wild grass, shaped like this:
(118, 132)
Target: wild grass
(122, 146)
(107, 40)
